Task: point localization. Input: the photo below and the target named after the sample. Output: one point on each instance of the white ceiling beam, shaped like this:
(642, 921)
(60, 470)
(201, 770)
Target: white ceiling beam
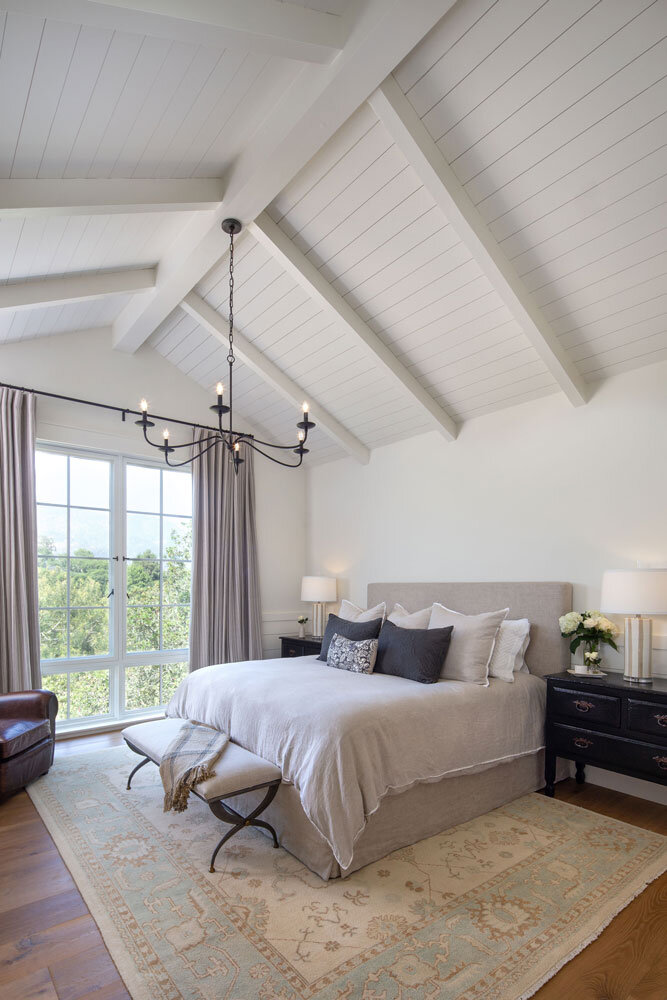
(92, 196)
(215, 324)
(270, 26)
(35, 292)
(305, 116)
(281, 247)
(411, 136)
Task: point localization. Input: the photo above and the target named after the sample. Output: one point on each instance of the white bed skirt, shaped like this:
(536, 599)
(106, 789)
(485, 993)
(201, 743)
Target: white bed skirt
(406, 817)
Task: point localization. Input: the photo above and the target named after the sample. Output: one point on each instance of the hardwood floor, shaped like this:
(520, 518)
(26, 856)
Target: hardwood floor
(51, 949)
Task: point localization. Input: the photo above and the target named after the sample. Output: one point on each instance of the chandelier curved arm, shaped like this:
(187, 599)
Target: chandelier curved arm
(286, 465)
(278, 447)
(188, 461)
(188, 444)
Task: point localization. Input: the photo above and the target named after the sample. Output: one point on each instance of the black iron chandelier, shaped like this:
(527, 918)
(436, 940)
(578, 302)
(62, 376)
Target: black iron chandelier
(233, 440)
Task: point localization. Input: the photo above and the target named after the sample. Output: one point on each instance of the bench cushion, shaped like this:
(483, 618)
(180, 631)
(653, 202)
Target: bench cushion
(236, 769)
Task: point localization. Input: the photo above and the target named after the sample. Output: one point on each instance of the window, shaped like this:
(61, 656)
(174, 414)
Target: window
(114, 555)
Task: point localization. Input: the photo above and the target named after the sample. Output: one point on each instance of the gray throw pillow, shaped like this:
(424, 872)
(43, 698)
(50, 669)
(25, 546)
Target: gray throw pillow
(472, 642)
(416, 654)
(351, 630)
(356, 656)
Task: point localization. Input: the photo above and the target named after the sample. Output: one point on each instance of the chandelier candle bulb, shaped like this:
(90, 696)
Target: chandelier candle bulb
(165, 433)
(219, 390)
(143, 406)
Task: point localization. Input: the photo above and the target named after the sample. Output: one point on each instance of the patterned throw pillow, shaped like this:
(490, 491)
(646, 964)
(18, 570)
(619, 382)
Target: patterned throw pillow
(346, 654)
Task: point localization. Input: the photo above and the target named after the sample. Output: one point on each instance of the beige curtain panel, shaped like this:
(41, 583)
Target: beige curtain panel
(19, 616)
(226, 615)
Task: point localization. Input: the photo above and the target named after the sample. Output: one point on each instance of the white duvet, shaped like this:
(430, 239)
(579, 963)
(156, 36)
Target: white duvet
(345, 740)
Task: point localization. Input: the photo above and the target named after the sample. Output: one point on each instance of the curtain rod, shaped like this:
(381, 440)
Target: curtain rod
(123, 410)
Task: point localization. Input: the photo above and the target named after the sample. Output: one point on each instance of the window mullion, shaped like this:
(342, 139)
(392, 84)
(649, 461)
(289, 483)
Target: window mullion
(69, 523)
(121, 574)
(160, 555)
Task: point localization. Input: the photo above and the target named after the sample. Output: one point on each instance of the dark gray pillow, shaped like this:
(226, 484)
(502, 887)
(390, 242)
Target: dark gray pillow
(351, 630)
(414, 653)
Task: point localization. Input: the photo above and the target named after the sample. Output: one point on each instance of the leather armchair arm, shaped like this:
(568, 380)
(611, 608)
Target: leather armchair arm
(40, 704)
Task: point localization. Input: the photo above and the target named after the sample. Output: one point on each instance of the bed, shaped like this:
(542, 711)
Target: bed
(372, 763)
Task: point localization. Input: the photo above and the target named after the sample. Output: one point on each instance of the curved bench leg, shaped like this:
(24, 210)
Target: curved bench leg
(228, 815)
(267, 826)
(230, 833)
(141, 763)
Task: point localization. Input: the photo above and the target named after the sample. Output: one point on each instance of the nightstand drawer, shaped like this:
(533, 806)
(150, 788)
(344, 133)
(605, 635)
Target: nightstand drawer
(601, 708)
(292, 648)
(586, 745)
(648, 717)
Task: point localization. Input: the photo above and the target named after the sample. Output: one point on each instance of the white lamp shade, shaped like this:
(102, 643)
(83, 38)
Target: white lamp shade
(318, 588)
(634, 592)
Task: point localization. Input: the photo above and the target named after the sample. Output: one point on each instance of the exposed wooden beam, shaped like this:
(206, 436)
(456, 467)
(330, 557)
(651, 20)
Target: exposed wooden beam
(91, 196)
(280, 246)
(411, 136)
(279, 29)
(269, 372)
(74, 288)
(319, 101)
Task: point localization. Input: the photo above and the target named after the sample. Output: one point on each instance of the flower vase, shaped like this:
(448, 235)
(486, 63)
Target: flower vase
(302, 631)
(592, 658)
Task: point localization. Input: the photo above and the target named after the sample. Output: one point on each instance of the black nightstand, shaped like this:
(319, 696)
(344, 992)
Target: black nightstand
(292, 645)
(608, 722)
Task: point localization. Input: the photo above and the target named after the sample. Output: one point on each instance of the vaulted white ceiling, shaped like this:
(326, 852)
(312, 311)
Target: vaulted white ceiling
(450, 208)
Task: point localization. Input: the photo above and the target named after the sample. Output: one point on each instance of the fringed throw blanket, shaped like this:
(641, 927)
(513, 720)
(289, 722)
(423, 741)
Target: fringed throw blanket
(189, 759)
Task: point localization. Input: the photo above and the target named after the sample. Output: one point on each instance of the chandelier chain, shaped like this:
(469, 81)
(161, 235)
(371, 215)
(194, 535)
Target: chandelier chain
(230, 356)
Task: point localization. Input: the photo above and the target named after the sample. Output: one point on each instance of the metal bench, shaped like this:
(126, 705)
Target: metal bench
(236, 772)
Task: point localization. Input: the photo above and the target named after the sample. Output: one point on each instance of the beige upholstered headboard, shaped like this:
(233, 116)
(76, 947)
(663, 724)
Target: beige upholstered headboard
(541, 603)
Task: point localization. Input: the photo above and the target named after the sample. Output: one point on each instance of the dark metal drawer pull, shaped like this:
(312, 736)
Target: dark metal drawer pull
(661, 762)
(662, 720)
(583, 706)
(582, 742)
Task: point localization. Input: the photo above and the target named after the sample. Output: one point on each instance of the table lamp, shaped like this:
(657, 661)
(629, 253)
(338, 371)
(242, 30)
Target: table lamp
(320, 590)
(636, 592)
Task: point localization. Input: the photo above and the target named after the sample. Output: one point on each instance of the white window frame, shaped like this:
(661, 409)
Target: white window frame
(118, 658)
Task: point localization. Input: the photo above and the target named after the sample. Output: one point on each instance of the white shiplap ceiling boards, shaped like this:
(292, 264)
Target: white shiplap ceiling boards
(487, 227)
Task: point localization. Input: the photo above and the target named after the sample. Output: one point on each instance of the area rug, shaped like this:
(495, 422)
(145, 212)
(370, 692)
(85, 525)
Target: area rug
(490, 909)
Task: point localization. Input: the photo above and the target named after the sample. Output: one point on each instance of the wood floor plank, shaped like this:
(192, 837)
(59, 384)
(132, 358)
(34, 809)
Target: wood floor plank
(16, 811)
(62, 942)
(40, 915)
(93, 972)
(36, 985)
(47, 878)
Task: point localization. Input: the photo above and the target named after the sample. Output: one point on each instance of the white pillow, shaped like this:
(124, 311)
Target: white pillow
(353, 613)
(471, 645)
(406, 619)
(511, 644)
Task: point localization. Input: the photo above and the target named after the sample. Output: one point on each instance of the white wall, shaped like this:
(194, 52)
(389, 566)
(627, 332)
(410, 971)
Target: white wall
(542, 491)
(84, 364)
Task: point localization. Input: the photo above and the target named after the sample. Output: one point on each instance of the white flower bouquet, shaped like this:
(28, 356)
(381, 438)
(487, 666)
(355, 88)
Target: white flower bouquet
(590, 628)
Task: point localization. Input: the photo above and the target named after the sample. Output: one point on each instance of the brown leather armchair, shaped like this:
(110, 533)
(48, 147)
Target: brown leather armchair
(27, 738)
